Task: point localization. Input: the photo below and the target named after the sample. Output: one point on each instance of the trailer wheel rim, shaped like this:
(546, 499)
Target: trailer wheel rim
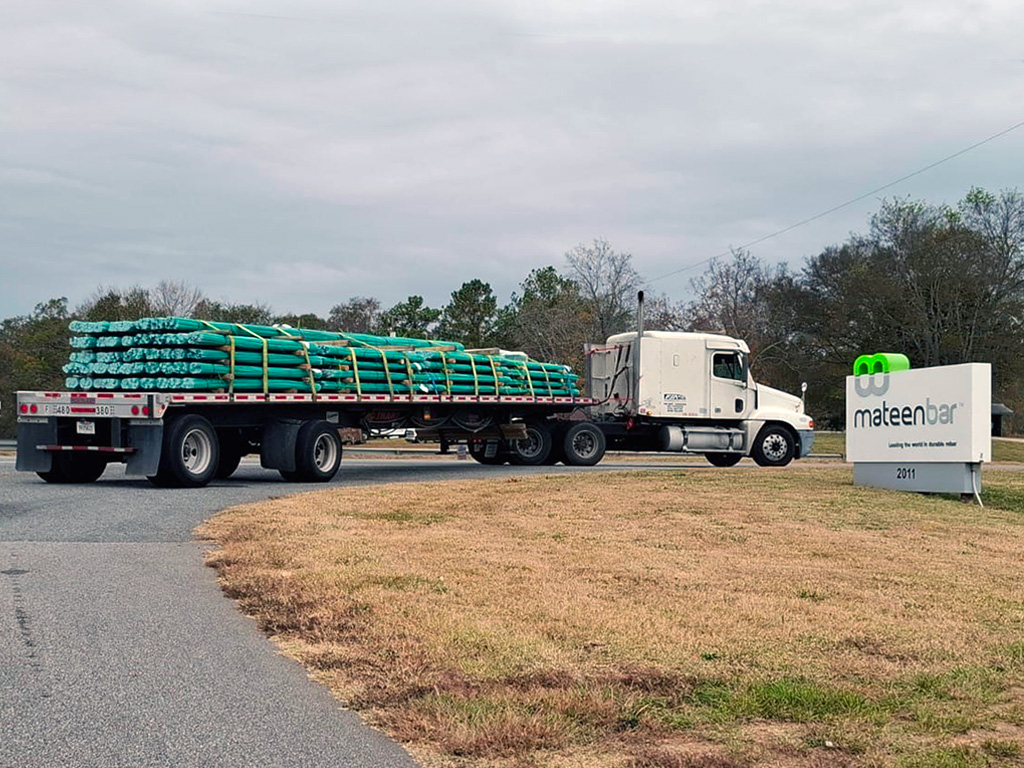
(584, 444)
(531, 445)
(775, 446)
(325, 453)
(196, 451)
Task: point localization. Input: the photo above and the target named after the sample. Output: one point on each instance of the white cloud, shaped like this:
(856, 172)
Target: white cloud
(300, 153)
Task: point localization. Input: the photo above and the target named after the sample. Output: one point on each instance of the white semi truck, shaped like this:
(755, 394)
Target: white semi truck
(660, 391)
(647, 391)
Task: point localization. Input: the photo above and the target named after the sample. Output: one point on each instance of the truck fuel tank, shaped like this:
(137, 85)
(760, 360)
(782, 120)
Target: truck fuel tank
(700, 439)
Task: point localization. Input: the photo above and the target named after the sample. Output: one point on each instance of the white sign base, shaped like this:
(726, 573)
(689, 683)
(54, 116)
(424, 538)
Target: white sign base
(926, 477)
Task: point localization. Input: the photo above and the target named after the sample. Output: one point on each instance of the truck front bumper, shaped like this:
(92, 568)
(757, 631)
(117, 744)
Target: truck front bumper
(806, 437)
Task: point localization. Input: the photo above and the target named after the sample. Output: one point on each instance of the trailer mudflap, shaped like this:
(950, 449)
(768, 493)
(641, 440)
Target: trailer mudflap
(146, 437)
(277, 448)
(33, 432)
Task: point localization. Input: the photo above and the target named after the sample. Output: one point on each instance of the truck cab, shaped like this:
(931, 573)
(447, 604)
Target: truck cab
(693, 392)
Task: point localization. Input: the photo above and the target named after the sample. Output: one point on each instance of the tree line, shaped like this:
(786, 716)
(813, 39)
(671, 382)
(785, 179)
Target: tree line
(942, 284)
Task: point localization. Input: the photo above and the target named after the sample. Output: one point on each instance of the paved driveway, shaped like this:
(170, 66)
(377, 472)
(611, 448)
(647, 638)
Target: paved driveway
(118, 649)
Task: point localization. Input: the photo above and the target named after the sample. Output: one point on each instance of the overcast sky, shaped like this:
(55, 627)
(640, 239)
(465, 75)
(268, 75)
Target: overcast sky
(300, 153)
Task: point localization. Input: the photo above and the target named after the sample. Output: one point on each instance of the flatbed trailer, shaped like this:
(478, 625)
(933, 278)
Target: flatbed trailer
(189, 439)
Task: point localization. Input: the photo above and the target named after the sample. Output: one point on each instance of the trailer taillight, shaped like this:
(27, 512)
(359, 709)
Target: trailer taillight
(135, 410)
(34, 408)
(145, 410)
(24, 408)
(810, 425)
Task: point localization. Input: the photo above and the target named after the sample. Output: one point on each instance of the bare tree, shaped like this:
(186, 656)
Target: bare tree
(547, 319)
(730, 297)
(608, 284)
(360, 314)
(748, 300)
(660, 314)
(116, 304)
(175, 298)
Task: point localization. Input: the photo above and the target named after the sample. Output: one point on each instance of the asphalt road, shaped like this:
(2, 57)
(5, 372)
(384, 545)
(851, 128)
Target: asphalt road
(118, 649)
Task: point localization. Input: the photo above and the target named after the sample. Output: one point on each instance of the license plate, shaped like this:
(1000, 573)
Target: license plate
(84, 427)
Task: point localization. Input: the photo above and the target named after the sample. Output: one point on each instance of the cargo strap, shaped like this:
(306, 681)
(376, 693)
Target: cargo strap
(476, 380)
(231, 356)
(387, 372)
(494, 372)
(266, 373)
(355, 370)
(447, 374)
(529, 380)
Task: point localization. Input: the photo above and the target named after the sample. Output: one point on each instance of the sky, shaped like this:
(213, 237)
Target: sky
(301, 153)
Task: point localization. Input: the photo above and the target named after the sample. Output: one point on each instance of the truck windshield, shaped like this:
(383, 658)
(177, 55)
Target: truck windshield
(727, 365)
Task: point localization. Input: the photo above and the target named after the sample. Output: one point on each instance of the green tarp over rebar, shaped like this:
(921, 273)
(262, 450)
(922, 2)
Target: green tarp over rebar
(182, 354)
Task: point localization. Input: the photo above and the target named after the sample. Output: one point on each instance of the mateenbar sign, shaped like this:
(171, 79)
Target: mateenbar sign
(918, 430)
(940, 414)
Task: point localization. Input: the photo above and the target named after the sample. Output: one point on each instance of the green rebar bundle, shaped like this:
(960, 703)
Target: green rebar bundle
(182, 354)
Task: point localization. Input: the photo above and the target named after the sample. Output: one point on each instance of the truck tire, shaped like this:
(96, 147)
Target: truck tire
(230, 453)
(317, 453)
(534, 449)
(557, 446)
(584, 444)
(478, 450)
(723, 459)
(230, 458)
(75, 467)
(190, 453)
(774, 446)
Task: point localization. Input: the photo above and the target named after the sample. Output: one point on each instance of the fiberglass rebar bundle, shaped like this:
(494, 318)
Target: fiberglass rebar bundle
(181, 354)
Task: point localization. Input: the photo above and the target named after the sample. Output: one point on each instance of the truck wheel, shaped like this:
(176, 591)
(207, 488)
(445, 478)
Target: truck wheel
(584, 445)
(230, 458)
(317, 453)
(190, 454)
(478, 450)
(723, 459)
(71, 468)
(230, 453)
(774, 446)
(534, 449)
(557, 446)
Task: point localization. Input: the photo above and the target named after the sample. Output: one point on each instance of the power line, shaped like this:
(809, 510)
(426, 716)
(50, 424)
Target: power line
(857, 199)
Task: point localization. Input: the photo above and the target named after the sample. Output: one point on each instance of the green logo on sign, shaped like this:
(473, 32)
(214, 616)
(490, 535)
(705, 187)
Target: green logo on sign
(880, 362)
(865, 366)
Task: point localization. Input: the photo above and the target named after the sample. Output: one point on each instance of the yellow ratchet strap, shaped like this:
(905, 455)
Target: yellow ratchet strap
(476, 381)
(387, 372)
(231, 383)
(529, 381)
(355, 370)
(447, 375)
(266, 373)
(494, 371)
(231, 353)
(408, 370)
(309, 368)
(547, 378)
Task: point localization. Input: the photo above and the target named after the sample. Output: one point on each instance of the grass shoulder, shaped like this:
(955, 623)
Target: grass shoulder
(694, 617)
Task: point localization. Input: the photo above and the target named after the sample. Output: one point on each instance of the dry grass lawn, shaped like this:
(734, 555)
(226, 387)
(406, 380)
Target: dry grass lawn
(675, 619)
